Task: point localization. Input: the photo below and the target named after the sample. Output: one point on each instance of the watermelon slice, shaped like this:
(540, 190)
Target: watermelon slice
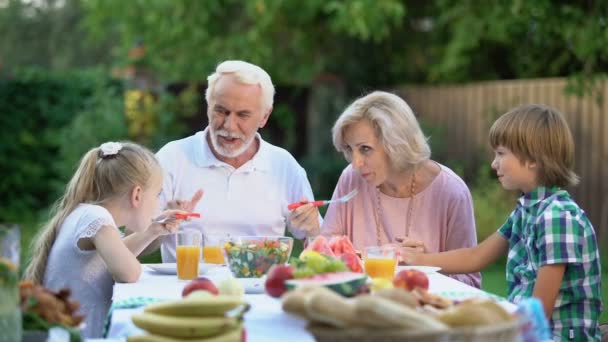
(345, 283)
(338, 247)
(321, 245)
(341, 245)
(352, 261)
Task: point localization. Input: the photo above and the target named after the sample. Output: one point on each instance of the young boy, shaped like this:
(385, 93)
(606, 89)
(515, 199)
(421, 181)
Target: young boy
(551, 245)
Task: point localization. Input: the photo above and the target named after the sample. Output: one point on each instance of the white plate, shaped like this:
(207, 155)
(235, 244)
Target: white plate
(253, 285)
(425, 269)
(171, 268)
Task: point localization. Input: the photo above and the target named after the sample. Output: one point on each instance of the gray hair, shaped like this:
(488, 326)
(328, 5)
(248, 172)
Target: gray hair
(394, 123)
(246, 73)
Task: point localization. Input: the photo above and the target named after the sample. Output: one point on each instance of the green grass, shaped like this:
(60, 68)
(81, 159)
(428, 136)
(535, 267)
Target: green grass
(494, 279)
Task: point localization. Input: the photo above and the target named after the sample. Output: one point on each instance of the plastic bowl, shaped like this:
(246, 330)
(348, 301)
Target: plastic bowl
(252, 256)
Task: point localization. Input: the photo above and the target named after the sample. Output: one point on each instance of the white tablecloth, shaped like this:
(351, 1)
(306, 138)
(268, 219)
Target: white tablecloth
(266, 321)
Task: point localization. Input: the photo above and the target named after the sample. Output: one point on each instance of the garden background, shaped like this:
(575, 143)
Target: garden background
(75, 73)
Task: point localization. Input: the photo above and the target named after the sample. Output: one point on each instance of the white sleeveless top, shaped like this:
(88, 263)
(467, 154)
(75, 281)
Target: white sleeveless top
(83, 272)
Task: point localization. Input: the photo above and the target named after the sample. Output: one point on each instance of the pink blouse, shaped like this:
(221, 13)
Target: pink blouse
(442, 215)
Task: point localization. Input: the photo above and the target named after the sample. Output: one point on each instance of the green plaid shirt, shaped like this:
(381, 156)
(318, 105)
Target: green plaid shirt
(548, 227)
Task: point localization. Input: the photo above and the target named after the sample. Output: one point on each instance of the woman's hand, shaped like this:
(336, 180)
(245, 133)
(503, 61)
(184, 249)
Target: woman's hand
(305, 218)
(187, 205)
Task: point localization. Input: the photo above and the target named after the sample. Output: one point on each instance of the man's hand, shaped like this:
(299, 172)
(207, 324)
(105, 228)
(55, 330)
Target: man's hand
(305, 218)
(187, 205)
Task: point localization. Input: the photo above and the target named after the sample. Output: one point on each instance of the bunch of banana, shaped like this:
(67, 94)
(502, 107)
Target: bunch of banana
(198, 317)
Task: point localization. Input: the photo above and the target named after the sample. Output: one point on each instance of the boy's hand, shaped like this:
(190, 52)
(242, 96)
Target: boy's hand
(411, 250)
(415, 245)
(410, 256)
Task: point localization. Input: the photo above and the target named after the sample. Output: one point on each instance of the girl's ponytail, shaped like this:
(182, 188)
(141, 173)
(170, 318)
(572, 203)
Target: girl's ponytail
(80, 189)
(104, 172)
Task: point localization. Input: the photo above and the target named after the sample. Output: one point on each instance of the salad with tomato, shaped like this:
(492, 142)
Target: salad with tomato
(252, 258)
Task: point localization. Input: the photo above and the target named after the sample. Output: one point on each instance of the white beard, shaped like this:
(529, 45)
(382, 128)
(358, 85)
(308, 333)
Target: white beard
(228, 152)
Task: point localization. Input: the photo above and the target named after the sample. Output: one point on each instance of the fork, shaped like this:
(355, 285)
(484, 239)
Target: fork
(174, 217)
(319, 203)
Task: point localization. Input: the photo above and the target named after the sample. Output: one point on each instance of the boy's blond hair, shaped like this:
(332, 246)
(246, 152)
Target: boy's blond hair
(538, 133)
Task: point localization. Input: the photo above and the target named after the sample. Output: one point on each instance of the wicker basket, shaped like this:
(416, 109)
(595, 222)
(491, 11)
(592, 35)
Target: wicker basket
(504, 332)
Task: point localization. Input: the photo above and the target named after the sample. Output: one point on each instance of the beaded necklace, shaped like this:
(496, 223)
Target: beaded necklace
(378, 211)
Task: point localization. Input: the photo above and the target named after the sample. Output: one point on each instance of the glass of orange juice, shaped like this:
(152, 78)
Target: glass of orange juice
(212, 248)
(188, 253)
(380, 262)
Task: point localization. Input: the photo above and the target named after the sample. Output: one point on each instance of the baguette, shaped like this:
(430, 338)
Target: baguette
(294, 302)
(398, 295)
(325, 306)
(475, 313)
(384, 313)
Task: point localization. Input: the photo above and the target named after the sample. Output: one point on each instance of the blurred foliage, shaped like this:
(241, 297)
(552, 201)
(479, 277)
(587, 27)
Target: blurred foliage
(366, 42)
(293, 40)
(41, 129)
(492, 203)
(487, 40)
(172, 114)
(48, 34)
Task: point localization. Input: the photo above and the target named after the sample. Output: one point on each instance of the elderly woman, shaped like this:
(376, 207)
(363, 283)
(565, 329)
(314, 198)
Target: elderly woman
(404, 197)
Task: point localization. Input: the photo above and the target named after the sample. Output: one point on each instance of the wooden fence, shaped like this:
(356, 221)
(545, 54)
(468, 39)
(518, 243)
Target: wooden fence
(467, 112)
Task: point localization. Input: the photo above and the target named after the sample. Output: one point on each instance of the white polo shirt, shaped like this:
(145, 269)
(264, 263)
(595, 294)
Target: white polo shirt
(250, 200)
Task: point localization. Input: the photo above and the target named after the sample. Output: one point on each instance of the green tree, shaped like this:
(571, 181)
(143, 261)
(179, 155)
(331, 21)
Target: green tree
(521, 39)
(47, 34)
(294, 40)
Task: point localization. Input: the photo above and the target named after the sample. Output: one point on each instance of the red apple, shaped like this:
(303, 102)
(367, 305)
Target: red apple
(275, 280)
(201, 283)
(411, 279)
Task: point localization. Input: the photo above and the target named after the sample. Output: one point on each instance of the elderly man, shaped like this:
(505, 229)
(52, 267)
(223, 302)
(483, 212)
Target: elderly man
(247, 182)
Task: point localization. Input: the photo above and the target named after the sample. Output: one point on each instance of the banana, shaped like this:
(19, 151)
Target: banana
(234, 335)
(325, 306)
(183, 326)
(196, 306)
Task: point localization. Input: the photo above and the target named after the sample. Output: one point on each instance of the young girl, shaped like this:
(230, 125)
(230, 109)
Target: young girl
(551, 245)
(81, 247)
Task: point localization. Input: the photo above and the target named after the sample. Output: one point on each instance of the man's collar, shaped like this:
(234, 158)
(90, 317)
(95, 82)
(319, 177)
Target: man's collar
(537, 195)
(206, 158)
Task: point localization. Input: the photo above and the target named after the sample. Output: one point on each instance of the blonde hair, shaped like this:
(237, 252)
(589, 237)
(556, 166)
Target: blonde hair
(394, 123)
(246, 73)
(99, 177)
(538, 133)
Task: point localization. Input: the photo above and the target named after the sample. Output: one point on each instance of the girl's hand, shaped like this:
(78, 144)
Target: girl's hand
(187, 205)
(305, 218)
(169, 226)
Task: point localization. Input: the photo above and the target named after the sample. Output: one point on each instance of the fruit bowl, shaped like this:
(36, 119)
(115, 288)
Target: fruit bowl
(252, 256)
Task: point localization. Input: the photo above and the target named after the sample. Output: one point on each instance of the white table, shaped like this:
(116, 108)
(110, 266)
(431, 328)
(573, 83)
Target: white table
(266, 321)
